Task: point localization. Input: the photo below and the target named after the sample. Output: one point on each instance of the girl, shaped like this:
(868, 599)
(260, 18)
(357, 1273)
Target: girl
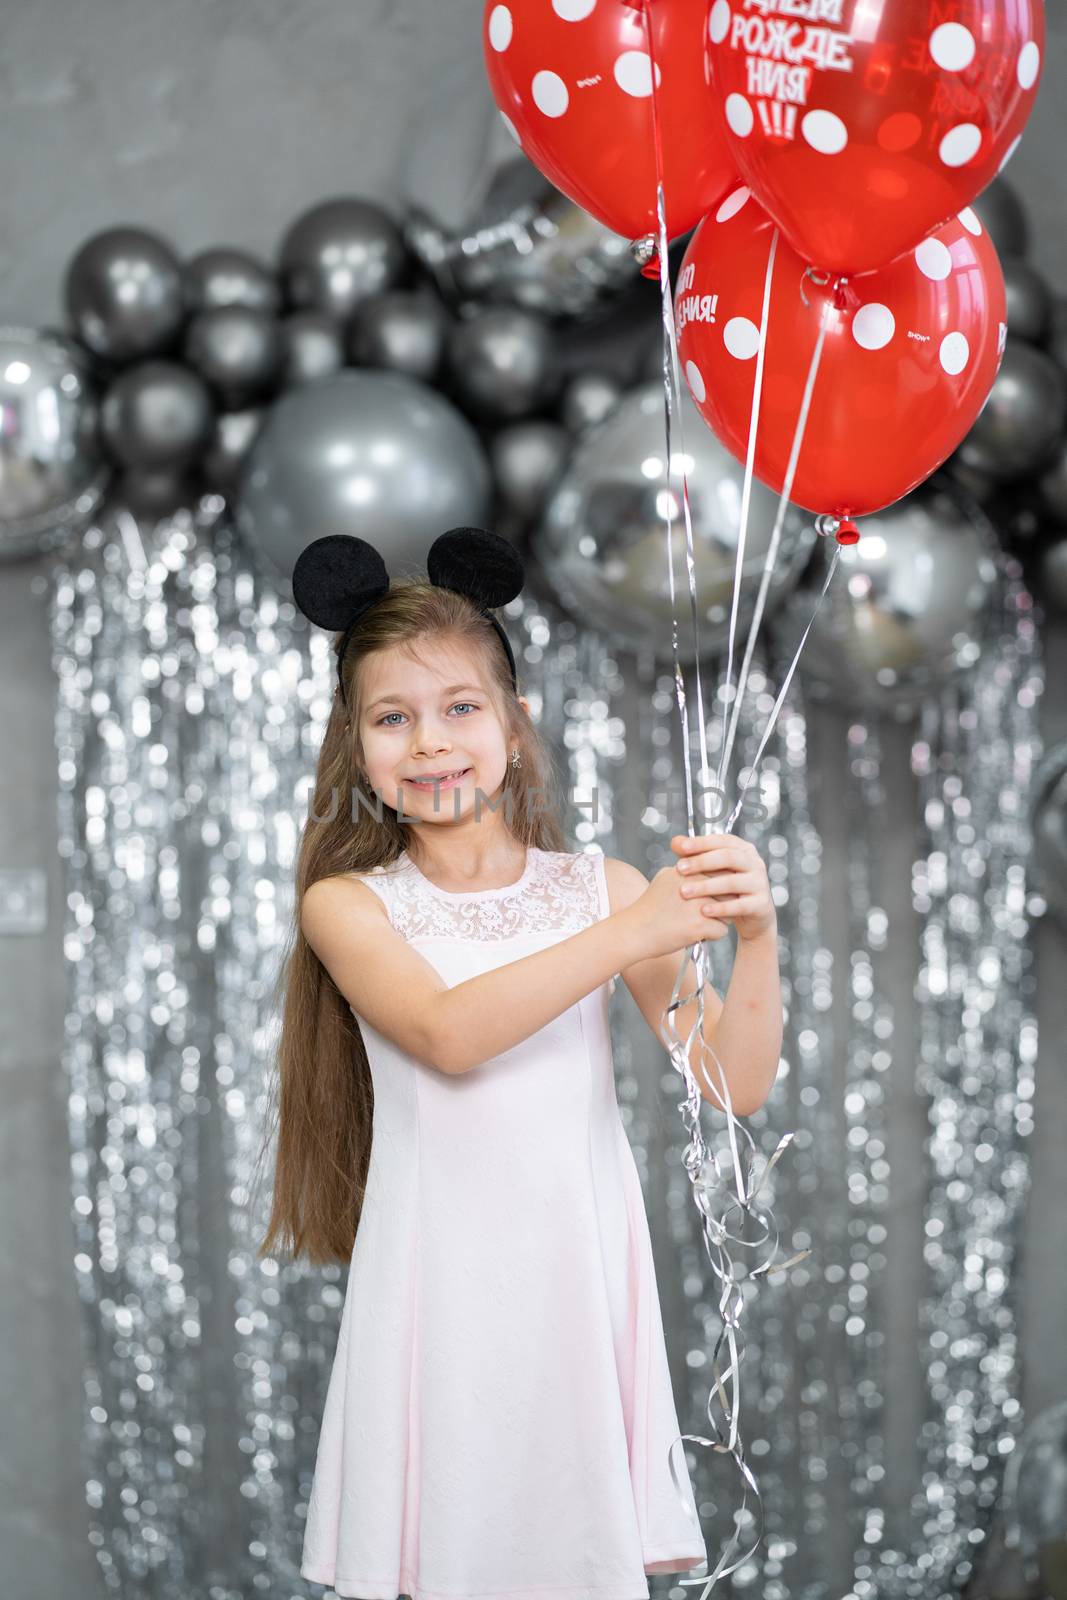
(499, 1416)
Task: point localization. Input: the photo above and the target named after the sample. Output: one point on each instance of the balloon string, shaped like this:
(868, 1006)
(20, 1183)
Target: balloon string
(729, 709)
(672, 392)
(702, 1168)
(772, 556)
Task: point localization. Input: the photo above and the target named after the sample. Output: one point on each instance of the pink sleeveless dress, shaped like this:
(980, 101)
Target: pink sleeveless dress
(499, 1412)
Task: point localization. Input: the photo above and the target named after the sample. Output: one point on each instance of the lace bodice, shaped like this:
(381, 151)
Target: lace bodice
(558, 892)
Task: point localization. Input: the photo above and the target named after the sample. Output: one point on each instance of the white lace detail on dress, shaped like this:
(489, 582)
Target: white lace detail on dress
(558, 893)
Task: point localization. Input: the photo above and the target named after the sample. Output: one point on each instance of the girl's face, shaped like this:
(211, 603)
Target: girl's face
(430, 721)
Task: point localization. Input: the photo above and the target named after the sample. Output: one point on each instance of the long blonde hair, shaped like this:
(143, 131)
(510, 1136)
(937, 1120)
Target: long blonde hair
(322, 1094)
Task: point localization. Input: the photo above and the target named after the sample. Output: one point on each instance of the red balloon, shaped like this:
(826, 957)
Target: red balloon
(573, 81)
(910, 355)
(860, 125)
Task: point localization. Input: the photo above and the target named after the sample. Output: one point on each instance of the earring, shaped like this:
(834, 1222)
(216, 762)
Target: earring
(515, 760)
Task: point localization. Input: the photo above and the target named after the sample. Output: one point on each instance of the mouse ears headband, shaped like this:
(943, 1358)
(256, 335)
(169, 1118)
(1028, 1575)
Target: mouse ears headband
(339, 577)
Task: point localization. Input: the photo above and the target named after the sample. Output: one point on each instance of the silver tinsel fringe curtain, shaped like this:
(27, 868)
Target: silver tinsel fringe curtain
(880, 1383)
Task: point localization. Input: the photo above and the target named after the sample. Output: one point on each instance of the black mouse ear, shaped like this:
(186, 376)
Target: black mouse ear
(337, 576)
(477, 563)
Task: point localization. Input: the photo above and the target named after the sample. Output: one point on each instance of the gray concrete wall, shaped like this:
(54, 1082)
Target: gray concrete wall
(218, 121)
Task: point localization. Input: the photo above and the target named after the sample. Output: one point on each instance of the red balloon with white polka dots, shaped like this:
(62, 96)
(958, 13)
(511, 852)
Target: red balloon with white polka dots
(909, 355)
(573, 82)
(861, 125)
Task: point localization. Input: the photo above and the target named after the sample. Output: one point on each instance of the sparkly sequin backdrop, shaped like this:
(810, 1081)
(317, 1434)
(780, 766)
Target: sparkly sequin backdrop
(190, 704)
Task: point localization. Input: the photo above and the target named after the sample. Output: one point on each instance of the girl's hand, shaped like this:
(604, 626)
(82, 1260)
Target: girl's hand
(731, 871)
(669, 920)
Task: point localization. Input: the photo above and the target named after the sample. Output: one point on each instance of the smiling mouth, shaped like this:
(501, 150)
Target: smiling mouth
(429, 783)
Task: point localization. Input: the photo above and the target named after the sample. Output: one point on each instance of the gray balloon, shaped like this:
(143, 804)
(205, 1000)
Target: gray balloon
(339, 253)
(314, 347)
(157, 416)
(588, 399)
(238, 350)
(527, 245)
(123, 293)
(1049, 831)
(603, 539)
(52, 473)
(1029, 301)
(1003, 216)
(1017, 429)
(907, 608)
(371, 453)
(224, 276)
(227, 452)
(404, 331)
(503, 362)
(527, 460)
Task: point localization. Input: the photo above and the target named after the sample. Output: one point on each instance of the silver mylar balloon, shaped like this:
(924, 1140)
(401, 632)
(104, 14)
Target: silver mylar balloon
(1022, 419)
(52, 473)
(371, 453)
(527, 245)
(314, 347)
(233, 437)
(588, 398)
(157, 416)
(238, 350)
(338, 253)
(527, 460)
(404, 331)
(503, 362)
(123, 293)
(224, 276)
(907, 607)
(1029, 300)
(603, 538)
(1002, 215)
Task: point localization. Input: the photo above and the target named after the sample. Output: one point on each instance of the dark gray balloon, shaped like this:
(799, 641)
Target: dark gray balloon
(404, 331)
(52, 473)
(907, 608)
(1052, 575)
(1002, 215)
(602, 541)
(123, 293)
(527, 460)
(503, 362)
(978, 485)
(157, 416)
(237, 350)
(1052, 485)
(588, 398)
(314, 346)
(340, 252)
(526, 245)
(371, 453)
(1017, 429)
(154, 491)
(1049, 822)
(1029, 300)
(227, 452)
(224, 276)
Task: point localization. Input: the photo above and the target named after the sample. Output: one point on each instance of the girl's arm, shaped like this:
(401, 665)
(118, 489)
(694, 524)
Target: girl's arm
(745, 1029)
(389, 983)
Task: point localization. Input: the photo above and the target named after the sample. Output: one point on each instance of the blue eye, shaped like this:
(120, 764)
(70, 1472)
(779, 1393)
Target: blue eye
(383, 720)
